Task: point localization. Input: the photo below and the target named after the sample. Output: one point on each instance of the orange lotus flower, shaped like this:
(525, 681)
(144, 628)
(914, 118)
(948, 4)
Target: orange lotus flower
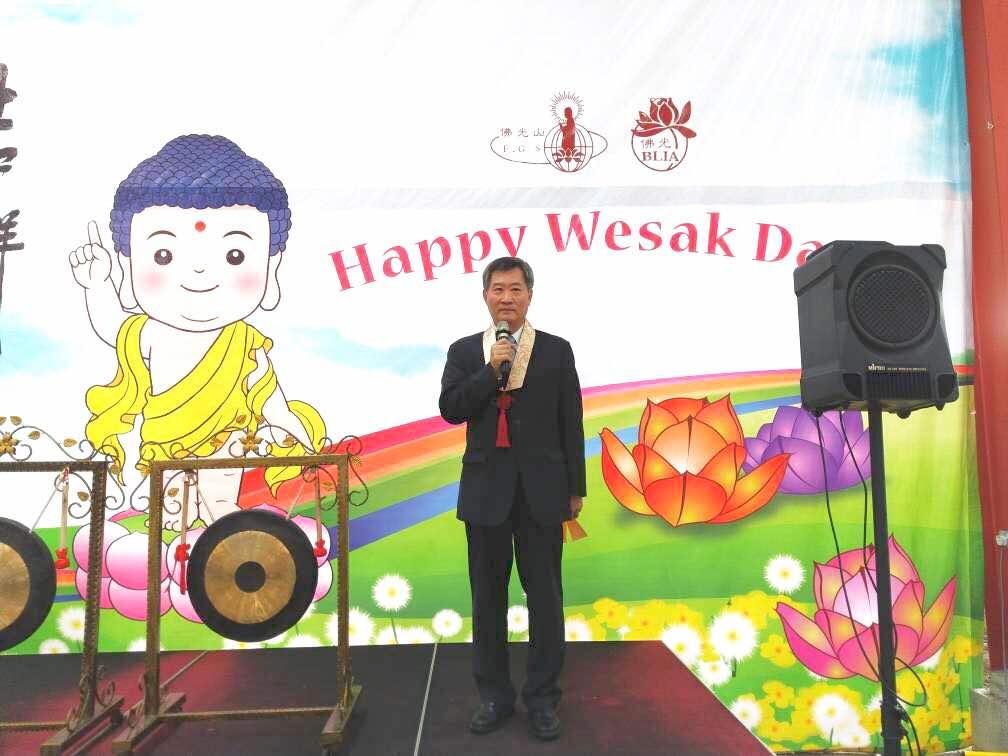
(685, 466)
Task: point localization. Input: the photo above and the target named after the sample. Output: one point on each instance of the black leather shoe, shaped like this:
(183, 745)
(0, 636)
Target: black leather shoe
(544, 724)
(488, 717)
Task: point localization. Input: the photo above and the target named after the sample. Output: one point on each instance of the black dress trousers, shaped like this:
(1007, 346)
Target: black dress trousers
(491, 551)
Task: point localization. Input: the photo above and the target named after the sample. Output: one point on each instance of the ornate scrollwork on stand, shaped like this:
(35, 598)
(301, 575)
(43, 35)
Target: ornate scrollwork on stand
(20, 442)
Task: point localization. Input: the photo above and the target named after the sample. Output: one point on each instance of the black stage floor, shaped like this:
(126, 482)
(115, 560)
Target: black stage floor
(619, 698)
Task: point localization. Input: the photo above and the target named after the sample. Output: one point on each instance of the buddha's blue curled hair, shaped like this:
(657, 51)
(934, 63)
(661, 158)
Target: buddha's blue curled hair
(200, 171)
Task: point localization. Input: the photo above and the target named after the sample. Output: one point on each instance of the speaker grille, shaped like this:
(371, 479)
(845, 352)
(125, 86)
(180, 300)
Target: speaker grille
(891, 306)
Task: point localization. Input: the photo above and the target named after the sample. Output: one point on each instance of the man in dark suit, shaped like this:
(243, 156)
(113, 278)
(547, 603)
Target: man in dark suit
(523, 475)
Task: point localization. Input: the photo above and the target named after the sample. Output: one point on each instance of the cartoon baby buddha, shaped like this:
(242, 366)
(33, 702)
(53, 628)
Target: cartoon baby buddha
(200, 229)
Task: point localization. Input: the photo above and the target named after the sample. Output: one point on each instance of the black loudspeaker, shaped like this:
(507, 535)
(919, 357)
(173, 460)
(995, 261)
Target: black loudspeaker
(871, 328)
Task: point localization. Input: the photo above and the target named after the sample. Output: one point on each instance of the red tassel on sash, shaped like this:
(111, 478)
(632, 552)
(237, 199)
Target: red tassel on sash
(504, 401)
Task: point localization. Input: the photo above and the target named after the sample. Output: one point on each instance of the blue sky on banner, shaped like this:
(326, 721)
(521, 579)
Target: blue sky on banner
(934, 77)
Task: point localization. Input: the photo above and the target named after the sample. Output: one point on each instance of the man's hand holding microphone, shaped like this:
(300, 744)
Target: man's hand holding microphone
(502, 353)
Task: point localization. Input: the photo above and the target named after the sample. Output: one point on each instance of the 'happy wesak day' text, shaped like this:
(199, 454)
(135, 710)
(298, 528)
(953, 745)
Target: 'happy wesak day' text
(571, 233)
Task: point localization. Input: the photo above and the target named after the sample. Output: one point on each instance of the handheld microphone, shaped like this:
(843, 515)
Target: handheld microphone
(503, 331)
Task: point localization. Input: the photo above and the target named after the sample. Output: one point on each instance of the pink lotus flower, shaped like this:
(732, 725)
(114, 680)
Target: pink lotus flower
(124, 569)
(831, 644)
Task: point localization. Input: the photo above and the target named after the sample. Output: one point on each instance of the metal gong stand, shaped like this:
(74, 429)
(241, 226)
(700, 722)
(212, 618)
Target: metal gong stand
(159, 705)
(98, 703)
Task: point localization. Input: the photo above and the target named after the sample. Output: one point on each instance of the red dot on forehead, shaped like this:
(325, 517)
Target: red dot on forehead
(200, 226)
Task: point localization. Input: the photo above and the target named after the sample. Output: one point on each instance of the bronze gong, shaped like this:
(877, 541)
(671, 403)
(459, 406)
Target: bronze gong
(27, 583)
(252, 575)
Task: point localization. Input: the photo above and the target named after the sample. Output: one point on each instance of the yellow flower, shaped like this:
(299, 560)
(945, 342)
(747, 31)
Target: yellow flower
(805, 697)
(907, 686)
(645, 623)
(777, 650)
(962, 648)
(597, 628)
(923, 719)
(935, 745)
(7, 444)
(933, 688)
(680, 614)
(778, 748)
(948, 679)
(753, 605)
(946, 715)
(612, 613)
(250, 442)
(967, 724)
(778, 694)
(771, 729)
(802, 725)
(873, 720)
(709, 654)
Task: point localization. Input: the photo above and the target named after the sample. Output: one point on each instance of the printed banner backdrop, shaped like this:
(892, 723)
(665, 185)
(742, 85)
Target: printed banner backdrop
(663, 169)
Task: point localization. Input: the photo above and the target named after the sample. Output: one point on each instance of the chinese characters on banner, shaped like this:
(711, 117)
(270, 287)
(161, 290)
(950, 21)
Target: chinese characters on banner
(8, 218)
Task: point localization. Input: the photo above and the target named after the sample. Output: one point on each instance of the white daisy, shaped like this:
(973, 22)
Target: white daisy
(852, 735)
(874, 703)
(747, 711)
(931, 662)
(234, 645)
(714, 673)
(685, 642)
(733, 635)
(447, 623)
(386, 636)
(304, 641)
(577, 630)
(71, 623)
(415, 635)
(276, 639)
(391, 592)
(53, 646)
(139, 644)
(831, 713)
(517, 619)
(361, 627)
(308, 612)
(784, 573)
(332, 629)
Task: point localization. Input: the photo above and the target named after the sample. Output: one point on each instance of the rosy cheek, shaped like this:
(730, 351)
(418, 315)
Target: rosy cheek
(249, 283)
(152, 281)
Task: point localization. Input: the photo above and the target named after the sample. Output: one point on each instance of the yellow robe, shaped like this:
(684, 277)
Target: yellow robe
(196, 416)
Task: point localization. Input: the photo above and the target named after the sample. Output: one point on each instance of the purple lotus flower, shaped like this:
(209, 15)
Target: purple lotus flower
(793, 431)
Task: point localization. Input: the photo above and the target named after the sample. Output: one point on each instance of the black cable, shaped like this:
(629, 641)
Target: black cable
(864, 486)
(901, 702)
(843, 585)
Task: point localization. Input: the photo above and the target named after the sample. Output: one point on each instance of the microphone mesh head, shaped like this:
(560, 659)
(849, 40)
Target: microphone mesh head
(503, 329)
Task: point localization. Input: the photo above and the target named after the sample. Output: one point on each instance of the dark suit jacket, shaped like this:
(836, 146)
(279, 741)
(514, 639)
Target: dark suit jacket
(546, 426)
